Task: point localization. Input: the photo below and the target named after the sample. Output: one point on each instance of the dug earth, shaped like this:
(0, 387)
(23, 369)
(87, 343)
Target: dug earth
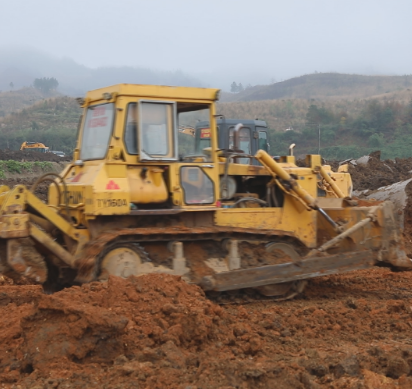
(156, 331)
(349, 331)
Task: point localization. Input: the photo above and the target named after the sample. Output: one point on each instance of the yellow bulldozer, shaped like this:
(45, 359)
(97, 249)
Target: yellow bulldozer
(133, 201)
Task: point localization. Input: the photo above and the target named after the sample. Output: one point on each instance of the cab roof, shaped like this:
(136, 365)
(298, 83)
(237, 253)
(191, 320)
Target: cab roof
(156, 92)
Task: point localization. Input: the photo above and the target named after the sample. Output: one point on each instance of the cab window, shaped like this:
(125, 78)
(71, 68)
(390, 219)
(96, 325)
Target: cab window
(263, 140)
(194, 143)
(157, 137)
(197, 186)
(130, 132)
(244, 142)
(97, 128)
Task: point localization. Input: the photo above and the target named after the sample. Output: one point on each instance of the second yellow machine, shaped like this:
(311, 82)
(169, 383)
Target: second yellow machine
(137, 198)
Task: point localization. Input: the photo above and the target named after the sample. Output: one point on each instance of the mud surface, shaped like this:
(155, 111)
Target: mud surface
(351, 331)
(41, 190)
(156, 331)
(376, 173)
(28, 156)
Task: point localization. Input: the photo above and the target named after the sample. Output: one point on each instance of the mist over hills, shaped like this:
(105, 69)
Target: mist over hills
(324, 85)
(19, 67)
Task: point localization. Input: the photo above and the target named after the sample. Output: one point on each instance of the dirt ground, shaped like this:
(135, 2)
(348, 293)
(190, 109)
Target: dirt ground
(156, 331)
(28, 156)
(349, 331)
(377, 173)
(41, 191)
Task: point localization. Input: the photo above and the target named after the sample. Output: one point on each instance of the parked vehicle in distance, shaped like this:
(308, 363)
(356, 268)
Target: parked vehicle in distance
(59, 153)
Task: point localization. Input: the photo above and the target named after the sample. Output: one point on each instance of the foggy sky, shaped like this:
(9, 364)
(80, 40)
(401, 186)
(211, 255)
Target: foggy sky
(219, 41)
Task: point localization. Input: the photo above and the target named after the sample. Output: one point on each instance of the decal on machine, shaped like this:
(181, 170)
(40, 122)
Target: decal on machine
(73, 196)
(205, 133)
(112, 185)
(76, 178)
(106, 203)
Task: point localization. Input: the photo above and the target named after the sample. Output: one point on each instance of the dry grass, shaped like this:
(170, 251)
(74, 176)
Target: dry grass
(291, 113)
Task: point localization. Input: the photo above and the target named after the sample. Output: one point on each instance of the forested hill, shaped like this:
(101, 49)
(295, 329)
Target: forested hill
(51, 121)
(348, 127)
(15, 100)
(322, 86)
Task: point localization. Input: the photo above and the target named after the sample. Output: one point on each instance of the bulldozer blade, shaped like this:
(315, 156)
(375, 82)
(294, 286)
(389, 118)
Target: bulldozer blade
(25, 261)
(286, 272)
(397, 193)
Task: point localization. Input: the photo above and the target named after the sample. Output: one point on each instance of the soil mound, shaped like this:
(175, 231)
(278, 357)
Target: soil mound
(41, 191)
(374, 173)
(30, 156)
(156, 331)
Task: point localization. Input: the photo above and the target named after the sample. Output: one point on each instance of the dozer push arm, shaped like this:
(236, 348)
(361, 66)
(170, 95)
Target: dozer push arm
(277, 171)
(15, 221)
(330, 181)
(51, 216)
(15, 202)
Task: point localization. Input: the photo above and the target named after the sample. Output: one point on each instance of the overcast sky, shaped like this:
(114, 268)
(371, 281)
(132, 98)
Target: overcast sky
(252, 41)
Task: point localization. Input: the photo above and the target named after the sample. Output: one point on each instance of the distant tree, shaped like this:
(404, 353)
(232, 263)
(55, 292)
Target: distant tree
(11, 85)
(46, 84)
(235, 88)
(316, 116)
(313, 118)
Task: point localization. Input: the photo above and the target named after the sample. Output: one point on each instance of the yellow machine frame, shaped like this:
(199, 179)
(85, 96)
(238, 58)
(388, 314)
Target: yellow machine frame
(114, 194)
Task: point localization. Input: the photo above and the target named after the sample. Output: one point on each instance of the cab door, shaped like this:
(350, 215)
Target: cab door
(198, 166)
(157, 131)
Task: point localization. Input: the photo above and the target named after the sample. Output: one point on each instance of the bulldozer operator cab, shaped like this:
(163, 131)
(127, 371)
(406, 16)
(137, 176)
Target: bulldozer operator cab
(252, 137)
(126, 131)
(153, 137)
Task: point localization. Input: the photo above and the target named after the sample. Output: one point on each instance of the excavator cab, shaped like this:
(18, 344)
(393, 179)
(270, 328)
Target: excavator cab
(252, 136)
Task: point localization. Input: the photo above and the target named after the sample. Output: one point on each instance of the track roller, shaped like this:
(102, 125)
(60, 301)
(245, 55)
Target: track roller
(287, 290)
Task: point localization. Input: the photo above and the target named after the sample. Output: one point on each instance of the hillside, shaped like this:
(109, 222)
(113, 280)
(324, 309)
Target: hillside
(15, 100)
(324, 85)
(51, 121)
(281, 114)
(348, 127)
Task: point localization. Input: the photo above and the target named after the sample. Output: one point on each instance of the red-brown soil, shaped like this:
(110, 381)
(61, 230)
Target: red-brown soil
(156, 331)
(377, 173)
(350, 331)
(41, 191)
(25, 156)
